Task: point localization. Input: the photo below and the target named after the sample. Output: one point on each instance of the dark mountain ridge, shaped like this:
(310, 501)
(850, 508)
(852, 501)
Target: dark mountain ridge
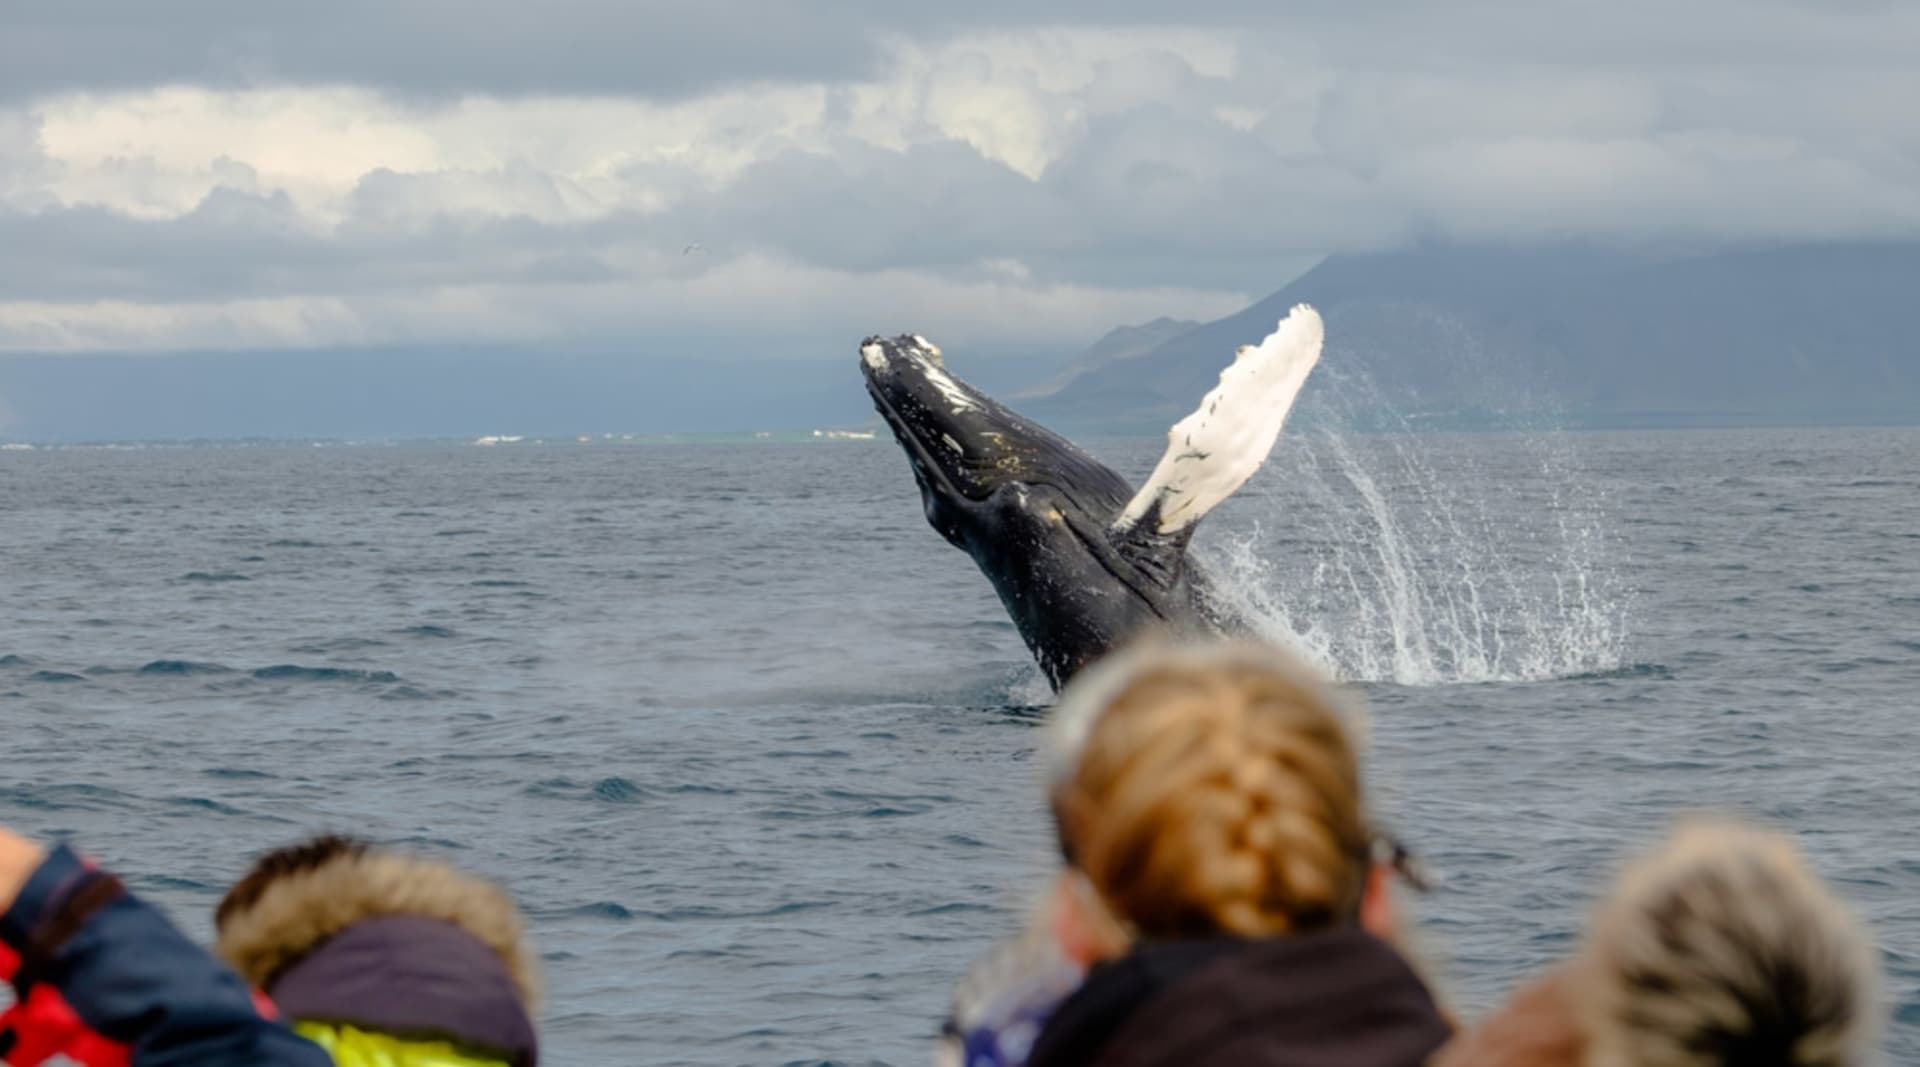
(1466, 335)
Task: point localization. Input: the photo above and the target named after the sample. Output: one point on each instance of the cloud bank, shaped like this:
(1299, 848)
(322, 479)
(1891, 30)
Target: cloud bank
(224, 176)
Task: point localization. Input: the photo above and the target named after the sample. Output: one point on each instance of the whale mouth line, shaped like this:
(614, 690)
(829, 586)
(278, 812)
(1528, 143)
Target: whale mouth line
(920, 428)
(933, 477)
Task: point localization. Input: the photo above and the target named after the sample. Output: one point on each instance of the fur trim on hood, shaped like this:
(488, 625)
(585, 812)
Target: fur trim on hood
(292, 913)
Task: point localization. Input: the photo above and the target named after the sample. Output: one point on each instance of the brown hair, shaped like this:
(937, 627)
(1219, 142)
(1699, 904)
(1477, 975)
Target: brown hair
(1212, 791)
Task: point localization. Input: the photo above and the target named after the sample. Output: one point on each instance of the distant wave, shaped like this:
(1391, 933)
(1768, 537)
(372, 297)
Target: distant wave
(1631, 670)
(75, 797)
(338, 644)
(295, 672)
(160, 671)
(606, 790)
(214, 576)
(237, 774)
(618, 791)
(411, 692)
(604, 909)
(183, 666)
(152, 882)
(204, 804)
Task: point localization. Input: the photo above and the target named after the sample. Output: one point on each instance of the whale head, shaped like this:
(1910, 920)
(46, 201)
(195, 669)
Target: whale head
(1033, 510)
(972, 457)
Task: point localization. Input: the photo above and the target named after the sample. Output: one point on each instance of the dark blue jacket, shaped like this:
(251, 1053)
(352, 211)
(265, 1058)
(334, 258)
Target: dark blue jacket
(105, 980)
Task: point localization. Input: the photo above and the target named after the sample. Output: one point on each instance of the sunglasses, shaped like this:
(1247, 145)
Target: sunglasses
(1388, 851)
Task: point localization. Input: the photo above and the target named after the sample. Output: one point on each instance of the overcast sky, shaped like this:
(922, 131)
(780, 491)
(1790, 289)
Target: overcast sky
(202, 175)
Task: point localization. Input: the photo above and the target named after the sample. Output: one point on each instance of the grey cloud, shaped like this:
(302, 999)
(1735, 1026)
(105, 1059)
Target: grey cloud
(1160, 193)
(1155, 196)
(22, 163)
(865, 208)
(1150, 198)
(384, 198)
(431, 47)
(669, 48)
(663, 48)
(238, 245)
(1157, 190)
(1424, 135)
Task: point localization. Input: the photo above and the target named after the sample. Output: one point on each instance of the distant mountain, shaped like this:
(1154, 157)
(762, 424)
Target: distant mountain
(1437, 336)
(1480, 336)
(1120, 344)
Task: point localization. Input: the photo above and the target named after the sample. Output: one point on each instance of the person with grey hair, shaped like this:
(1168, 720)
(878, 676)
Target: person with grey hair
(1719, 948)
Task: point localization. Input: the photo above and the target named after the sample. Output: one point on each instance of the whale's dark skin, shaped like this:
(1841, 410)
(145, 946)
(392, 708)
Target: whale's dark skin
(1037, 514)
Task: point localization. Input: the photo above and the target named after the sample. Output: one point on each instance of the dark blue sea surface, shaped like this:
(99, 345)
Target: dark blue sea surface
(753, 746)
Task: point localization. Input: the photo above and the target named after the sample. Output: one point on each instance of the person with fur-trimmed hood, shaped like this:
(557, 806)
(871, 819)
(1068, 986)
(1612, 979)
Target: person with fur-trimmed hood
(1718, 949)
(384, 958)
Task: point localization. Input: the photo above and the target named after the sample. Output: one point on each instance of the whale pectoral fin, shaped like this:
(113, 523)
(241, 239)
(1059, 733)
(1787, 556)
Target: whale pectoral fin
(1212, 452)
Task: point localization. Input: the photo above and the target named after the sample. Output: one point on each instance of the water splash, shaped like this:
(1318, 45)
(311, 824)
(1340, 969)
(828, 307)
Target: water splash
(1427, 559)
(1030, 688)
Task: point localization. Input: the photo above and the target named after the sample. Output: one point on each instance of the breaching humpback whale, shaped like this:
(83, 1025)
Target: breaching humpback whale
(1083, 562)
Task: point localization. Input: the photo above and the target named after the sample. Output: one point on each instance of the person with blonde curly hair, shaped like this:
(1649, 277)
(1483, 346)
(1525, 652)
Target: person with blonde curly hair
(1224, 896)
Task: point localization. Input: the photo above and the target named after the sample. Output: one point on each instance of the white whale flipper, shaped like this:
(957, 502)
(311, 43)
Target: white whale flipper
(1212, 452)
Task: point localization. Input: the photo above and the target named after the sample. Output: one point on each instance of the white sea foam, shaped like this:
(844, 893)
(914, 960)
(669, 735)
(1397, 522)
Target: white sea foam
(1422, 559)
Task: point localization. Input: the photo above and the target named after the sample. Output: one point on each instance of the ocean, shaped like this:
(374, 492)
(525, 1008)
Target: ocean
(754, 747)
